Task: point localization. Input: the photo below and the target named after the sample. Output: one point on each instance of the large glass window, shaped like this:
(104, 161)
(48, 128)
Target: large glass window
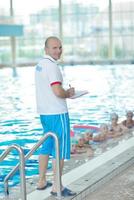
(84, 27)
(123, 29)
(86, 30)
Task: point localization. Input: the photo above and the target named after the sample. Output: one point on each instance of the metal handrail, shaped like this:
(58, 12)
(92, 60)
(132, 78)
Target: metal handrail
(22, 168)
(30, 153)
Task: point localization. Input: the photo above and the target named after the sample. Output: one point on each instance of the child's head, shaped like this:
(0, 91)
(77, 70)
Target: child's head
(104, 128)
(114, 116)
(129, 114)
(87, 136)
(81, 141)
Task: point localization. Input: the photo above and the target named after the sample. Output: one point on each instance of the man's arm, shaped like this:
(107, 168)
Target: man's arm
(59, 91)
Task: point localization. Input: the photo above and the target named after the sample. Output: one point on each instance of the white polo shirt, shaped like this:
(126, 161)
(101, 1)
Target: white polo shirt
(48, 73)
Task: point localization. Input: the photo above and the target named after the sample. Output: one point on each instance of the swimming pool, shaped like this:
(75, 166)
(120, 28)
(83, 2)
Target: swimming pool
(110, 90)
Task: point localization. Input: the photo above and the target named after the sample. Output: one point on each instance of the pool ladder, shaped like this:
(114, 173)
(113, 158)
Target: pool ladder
(21, 165)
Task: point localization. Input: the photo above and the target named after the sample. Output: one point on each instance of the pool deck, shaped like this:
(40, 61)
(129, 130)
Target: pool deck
(108, 176)
(90, 176)
(120, 187)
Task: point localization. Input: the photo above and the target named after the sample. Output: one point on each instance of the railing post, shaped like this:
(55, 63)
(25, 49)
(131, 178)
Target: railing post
(22, 170)
(22, 175)
(34, 148)
(58, 173)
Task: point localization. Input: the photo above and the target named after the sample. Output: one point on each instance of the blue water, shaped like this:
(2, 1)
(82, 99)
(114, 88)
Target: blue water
(110, 90)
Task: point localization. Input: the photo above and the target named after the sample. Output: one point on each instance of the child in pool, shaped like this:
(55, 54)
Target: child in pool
(128, 122)
(100, 136)
(87, 137)
(113, 130)
(103, 134)
(116, 129)
(82, 147)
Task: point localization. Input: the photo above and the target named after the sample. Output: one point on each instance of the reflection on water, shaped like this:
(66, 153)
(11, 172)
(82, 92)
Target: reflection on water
(110, 90)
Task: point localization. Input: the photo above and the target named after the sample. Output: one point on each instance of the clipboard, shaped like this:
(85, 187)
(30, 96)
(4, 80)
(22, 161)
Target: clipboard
(79, 94)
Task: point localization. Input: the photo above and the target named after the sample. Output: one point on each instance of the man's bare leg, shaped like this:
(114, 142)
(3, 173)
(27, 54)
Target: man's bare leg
(43, 163)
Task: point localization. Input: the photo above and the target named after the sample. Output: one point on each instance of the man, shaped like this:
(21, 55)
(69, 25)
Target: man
(52, 107)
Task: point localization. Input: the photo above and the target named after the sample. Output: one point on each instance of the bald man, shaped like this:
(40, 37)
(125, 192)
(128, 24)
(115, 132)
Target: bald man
(53, 111)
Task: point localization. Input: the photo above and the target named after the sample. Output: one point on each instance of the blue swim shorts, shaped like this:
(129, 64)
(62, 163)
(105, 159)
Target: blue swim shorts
(60, 125)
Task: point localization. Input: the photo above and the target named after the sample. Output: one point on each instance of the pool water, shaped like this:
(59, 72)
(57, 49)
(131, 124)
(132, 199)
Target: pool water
(110, 90)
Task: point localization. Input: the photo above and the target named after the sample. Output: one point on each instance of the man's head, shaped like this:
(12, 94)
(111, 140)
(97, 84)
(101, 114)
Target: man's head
(53, 47)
